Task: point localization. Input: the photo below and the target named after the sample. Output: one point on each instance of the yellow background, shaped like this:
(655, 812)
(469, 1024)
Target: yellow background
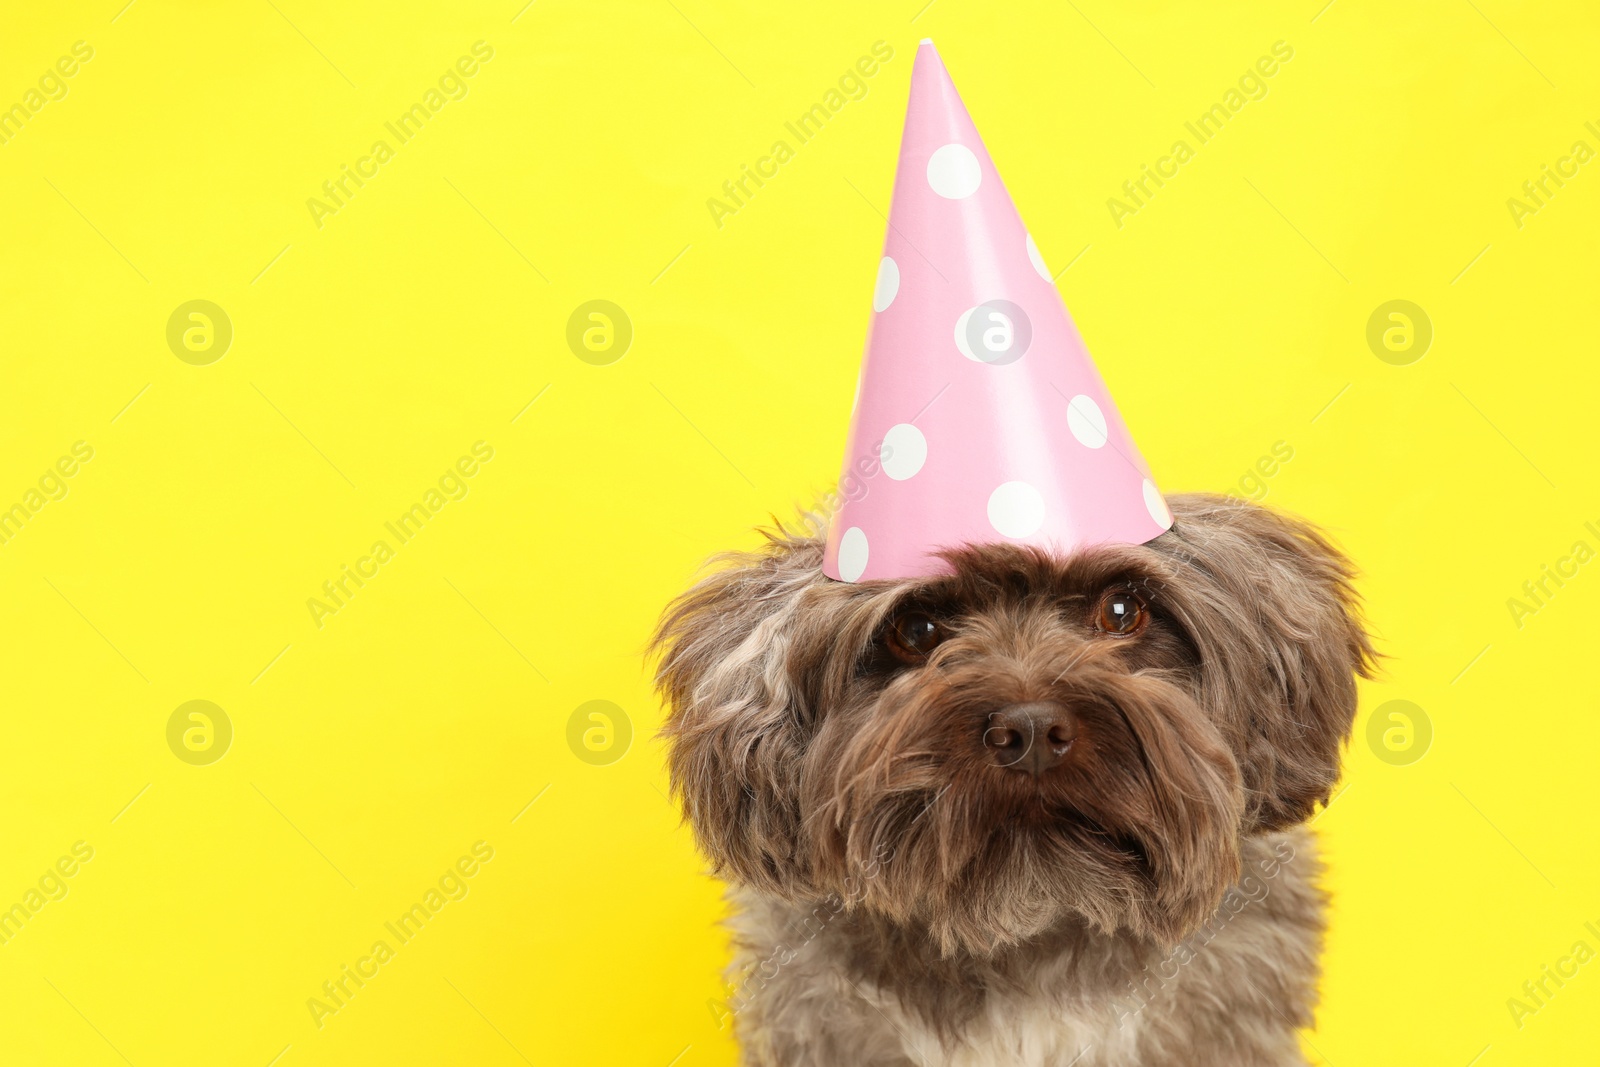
(1229, 314)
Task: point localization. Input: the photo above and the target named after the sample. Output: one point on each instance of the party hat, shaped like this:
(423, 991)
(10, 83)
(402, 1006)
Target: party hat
(980, 417)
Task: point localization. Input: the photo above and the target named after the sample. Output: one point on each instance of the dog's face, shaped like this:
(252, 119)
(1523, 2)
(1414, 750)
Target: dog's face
(1028, 738)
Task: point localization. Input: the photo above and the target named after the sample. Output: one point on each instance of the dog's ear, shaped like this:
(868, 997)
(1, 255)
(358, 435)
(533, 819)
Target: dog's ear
(729, 669)
(1278, 626)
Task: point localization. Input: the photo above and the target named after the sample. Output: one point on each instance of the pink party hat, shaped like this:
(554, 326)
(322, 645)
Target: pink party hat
(980, 417)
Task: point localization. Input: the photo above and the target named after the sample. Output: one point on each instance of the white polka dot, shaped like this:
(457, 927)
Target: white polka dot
(1004, 333)
(905, 450)
(1016, 509)
(1157, 507)
(1038, 261)
(888, 284)
(852, 554)
(1086, 421)
(953, 172)
(961, 335)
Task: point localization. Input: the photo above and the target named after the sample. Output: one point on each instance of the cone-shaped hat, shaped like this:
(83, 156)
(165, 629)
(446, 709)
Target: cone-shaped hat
(980, 416)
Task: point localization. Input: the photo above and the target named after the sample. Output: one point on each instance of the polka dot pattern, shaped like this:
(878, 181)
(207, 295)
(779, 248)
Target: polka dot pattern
(905, 450)
(980, 417)
(1016, 509)
(1038, 261)
(1086, 421)
(888, 285)
(1156, 504)
(954, 172)
(852, 554)
(962, 345)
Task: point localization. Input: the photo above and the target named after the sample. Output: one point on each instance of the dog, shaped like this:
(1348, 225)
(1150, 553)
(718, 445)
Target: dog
(1042, 810)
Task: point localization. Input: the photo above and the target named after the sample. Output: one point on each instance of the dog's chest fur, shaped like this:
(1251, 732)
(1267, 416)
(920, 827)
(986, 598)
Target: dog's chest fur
(824, 987)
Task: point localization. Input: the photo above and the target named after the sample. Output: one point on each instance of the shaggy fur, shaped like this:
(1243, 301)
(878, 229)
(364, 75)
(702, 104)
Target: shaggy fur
(904, 898)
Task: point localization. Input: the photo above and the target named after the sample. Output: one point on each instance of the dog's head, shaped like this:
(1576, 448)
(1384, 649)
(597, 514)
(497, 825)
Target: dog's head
(1028, 738)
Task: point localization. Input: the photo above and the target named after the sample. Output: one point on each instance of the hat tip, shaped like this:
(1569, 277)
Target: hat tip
(925, 40)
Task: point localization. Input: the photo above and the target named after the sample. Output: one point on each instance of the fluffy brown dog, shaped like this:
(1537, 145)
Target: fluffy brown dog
(1042, 811)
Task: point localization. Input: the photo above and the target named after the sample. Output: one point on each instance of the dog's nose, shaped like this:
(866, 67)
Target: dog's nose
(1032, 737)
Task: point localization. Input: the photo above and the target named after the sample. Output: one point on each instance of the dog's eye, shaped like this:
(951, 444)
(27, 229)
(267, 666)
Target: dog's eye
(1121, 613)
(913, 635)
